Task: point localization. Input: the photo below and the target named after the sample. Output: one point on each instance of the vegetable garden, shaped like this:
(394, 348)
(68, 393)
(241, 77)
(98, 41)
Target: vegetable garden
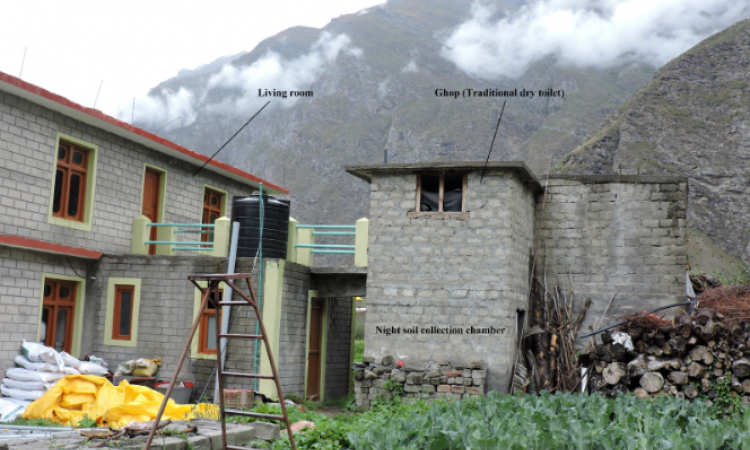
(561, 421)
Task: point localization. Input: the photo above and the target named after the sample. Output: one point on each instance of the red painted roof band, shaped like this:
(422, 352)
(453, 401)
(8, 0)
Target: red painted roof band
(34, 89)
(48, 247)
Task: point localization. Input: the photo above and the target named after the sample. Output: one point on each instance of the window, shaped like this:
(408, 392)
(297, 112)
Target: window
(122, 321)
(439, 193)
(121, 314)
(213, 208)
(72, 183)
(69, 195)
(58, 314)
(208, 324)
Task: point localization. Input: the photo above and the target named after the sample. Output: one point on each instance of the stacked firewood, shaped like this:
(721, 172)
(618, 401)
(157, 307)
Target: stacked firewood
(551, 342)
(684, 358)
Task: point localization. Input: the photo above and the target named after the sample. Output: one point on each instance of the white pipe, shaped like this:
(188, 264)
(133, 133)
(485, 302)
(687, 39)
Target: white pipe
(225, 310)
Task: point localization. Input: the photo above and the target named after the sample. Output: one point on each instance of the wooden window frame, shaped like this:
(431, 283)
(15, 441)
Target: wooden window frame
(203, 328)
(117, 315)
(68, 169)
(53, 305)
(207, 209)
(440, 214)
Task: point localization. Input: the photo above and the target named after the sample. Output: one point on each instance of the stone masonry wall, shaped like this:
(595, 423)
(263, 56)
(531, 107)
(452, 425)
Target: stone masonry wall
(21, 294)
(457, 273)
(27, 140)
(337, 353)
(625, 234)
(435, 380)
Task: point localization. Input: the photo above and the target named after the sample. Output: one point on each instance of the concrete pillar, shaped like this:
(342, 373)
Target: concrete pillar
(165, 234)
(222, 228)
(291, 250)
(305, 255)
(360, 242)
(140, 236)
(272, 297)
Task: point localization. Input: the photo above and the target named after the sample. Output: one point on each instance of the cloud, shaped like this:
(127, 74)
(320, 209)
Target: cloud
(383, 88)
(270, 71)
(411, 67)
(160, 111)
(598, 33)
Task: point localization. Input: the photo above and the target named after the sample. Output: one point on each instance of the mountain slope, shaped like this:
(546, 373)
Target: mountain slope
(381, 100)
(693, 119)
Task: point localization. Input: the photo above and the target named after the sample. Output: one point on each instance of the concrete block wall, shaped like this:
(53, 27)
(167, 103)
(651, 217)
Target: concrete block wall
(338, 360)
(627, 234)
(21, 295)
(166, 311)
(457, 273)
(27, 139)
(293, 338)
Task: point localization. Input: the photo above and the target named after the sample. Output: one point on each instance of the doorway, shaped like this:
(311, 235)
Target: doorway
(150, 207)
(315, 349)
(58, 314)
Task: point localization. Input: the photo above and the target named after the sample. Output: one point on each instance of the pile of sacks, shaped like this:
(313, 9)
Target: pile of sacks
(40, 367)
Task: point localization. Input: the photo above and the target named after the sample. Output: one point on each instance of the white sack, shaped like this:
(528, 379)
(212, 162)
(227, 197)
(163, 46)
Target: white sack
(36, 352)
(89, 368)
(21, 393)
(10, 410)
(31, 375)
(70, 360)
(623, 338)
(26, 385)
(39, 366)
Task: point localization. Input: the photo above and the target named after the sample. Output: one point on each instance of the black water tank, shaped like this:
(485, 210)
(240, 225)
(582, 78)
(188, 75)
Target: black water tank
(246, 211)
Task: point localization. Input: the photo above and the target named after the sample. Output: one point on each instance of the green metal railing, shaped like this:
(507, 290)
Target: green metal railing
(330, 248)
(181, 245)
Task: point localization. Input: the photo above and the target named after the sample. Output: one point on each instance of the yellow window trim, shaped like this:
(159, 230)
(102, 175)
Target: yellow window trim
(90, 185)
(75, 348)
(194, 353)
(162, 190)
(220, 191)
(110, 311)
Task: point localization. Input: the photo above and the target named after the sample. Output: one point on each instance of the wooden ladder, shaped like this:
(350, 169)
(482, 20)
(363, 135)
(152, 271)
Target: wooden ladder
(213, 280)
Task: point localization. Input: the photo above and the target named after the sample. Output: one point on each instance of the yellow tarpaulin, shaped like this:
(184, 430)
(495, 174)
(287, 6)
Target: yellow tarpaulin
(76, 396)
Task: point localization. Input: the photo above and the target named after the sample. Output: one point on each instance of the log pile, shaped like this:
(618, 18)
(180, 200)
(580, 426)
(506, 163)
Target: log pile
(684, 358)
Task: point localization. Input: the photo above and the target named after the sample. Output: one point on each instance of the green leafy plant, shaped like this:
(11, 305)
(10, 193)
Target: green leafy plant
(393, 397)
(87, 422)
(359, 350)
(726, 402)
(350, 403)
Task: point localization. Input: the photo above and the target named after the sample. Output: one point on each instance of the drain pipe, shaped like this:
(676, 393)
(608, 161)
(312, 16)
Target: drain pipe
(231, 264)
(260, 286)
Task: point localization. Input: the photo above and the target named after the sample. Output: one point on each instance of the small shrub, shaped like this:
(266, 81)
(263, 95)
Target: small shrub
(359, 350)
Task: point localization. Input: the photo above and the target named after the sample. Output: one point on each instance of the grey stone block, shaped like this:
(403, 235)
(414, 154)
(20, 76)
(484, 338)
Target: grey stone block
(242, 434)
(266, 431)
(200, 442)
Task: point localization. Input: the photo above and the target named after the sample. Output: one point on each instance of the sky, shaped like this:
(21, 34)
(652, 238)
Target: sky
(73, 46)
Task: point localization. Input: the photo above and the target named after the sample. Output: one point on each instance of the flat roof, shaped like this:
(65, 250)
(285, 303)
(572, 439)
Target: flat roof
(634, 179)
(366, 171)
(98, 119)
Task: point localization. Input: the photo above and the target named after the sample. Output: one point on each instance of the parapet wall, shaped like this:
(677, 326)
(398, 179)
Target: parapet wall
(616, 236)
